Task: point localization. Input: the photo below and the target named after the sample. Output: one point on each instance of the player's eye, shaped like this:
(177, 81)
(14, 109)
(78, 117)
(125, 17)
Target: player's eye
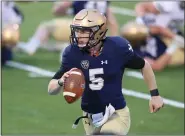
(82, 31)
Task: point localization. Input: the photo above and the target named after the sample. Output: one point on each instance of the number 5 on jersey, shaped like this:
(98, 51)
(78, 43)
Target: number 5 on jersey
(97, 83)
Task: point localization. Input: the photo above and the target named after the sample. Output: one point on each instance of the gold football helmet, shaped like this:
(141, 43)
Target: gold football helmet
(10, 35)
(89, 20)
(134, 33)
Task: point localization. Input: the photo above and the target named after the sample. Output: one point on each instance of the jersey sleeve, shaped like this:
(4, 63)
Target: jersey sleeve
(124, 48)
(66, 64)
(129, 57)
(135, 63)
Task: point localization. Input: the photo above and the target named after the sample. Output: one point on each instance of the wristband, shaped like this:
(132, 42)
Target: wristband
(60, 83)
(154, 92)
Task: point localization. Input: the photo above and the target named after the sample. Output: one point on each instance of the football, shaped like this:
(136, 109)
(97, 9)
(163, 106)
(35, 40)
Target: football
(74, 86)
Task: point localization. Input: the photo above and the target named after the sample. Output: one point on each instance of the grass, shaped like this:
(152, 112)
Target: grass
(28, 109)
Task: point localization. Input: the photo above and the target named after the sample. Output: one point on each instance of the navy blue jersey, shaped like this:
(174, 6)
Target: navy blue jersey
(103, 74)
(6, 55)
(154, 48)
(100, 5)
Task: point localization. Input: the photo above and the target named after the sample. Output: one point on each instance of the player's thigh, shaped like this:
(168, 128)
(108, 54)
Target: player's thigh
(88, 126)
(177, 58)
(119, 123)
(61, 29)
(49, 25)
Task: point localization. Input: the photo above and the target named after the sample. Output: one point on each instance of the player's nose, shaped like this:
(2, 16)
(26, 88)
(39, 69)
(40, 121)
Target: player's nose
(82, 40)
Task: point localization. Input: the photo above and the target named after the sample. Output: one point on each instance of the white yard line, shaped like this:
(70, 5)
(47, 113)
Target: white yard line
(36, 71)
(134, 74)
(147, 97)
(30, 68)
(123, 11)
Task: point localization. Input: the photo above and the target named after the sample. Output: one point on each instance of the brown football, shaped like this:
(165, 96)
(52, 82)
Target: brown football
(74, 86)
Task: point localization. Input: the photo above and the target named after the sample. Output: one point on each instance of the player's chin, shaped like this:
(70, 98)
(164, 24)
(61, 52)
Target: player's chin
(81, 45)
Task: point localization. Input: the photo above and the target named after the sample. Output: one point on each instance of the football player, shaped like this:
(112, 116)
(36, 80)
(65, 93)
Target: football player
(103, 61)
(12, 17)
(157, 51)
(60, 28)
(165, 18)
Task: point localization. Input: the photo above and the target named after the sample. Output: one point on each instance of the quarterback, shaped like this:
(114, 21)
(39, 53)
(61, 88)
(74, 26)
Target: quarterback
(102, 60)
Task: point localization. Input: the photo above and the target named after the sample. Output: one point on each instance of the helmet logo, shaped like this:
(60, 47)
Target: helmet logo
(90, 21)
(85, 64)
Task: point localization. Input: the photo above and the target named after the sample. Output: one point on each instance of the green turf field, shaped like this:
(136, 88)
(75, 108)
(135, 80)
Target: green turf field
(28, 109)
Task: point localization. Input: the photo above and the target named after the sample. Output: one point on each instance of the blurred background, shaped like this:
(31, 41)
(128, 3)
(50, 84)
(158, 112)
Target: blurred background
(31, 47)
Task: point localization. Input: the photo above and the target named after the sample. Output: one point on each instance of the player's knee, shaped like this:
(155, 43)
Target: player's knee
(120, 129)
(54, 12)
(139, 6)
(45, 25)
(113, 132)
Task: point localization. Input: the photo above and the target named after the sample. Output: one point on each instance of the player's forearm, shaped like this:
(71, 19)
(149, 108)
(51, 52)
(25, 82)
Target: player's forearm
(168, 34)
(143, 8)
(112, 23)
(164, 32)
(113, 29)
(149, 76)
(60, 8)
(53, 87)
(58, 11)
(140, 9)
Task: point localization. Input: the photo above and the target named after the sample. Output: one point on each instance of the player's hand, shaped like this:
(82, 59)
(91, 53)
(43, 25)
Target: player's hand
(65, 75)
(156, 102)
